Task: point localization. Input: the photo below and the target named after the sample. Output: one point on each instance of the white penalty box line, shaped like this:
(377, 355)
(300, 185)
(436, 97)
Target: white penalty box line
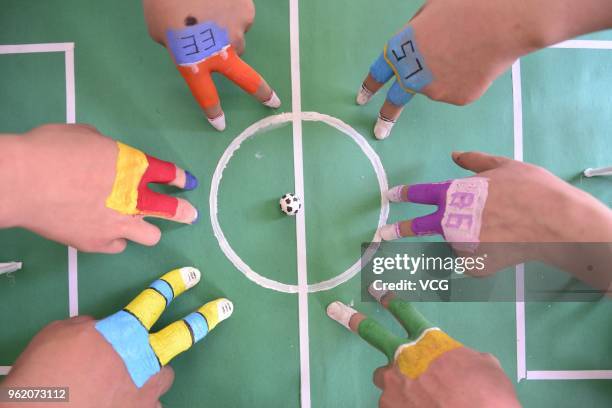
(68, 49)
(521, 349)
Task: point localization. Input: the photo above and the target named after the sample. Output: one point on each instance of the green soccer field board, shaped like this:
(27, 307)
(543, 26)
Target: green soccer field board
(127, 86)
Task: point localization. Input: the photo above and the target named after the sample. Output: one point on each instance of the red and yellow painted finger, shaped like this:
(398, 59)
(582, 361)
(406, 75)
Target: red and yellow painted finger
(131, 194)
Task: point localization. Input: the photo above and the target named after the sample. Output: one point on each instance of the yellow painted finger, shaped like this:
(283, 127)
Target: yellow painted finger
(151, 302)
(182, 334)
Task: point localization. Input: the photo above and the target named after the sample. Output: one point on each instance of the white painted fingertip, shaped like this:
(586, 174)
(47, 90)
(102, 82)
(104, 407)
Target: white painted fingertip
(382, 128)
(376, 293)
(9, 267)
(363, 95)
(225, 308)
(341, 313)
(395, 194)
(390, 232)
(191, 276)
(218, 122)
(274, 102)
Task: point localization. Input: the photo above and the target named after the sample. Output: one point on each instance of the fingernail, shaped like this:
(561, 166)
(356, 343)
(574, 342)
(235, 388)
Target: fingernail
(191, 182)
(197, 217)
(218, 122)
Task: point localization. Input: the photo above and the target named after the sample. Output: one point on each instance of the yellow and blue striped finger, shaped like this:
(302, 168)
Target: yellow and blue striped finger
(182, 334)
(151, 302)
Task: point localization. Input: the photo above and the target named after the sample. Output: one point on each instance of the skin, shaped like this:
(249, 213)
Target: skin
(56, 179)
(467, 45)
(236, 16)
(71, 353)
(459, 378)
(528, 204)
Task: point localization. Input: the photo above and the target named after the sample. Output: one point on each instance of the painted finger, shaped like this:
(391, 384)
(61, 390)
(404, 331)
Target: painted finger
(368, 329)
(130, 194)
(380, 72)
(151, 302)
(142, 232)
(243, 75)
(426, 225)
(428, 342)
(203, 89)
(164, 172)
(411, 320)
(197, 49)
(154, 204)
(426, 193)
(182, 334)
(459, 214)
(478, 161)
(397, 98)
(127, 331)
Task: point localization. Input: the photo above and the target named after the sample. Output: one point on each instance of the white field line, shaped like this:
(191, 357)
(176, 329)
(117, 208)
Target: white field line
(298, 166)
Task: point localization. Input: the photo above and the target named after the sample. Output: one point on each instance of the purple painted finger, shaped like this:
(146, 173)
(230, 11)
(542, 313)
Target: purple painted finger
(429, 224)
(428, 193)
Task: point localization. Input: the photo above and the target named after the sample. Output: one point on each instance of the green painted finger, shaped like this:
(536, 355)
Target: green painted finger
(410, 318)
(378, 336)
(367, 328)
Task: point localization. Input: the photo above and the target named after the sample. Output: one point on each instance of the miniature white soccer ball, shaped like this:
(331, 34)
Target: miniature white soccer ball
(290, 204)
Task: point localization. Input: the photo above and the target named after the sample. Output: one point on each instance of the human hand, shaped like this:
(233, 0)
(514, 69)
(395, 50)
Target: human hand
(429, 369)
(115, 362)
(506, 201)
(71, 184)
(206, 36)
(512, 202)
(451, 51)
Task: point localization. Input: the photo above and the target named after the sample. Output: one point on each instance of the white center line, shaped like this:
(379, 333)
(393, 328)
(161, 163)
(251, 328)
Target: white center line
(300, 227)
(517, 102)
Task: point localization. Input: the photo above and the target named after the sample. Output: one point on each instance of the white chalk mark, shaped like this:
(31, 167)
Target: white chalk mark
(569, 375)
(585, 44)
(73, 284)
(269, 123)
(8, 267)
(521, 347)
(602, 171)
(35, 48)
(517, 102)
(300, 222)
(70, 85)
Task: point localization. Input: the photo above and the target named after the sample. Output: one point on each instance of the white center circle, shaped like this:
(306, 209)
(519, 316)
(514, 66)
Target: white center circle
(269, 123)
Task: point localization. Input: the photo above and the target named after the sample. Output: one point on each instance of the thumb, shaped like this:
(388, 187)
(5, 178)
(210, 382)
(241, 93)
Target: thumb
(159, 384)
(478, 161)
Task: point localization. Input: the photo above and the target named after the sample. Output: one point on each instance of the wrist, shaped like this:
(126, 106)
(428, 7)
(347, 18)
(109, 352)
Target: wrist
(11, 176)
